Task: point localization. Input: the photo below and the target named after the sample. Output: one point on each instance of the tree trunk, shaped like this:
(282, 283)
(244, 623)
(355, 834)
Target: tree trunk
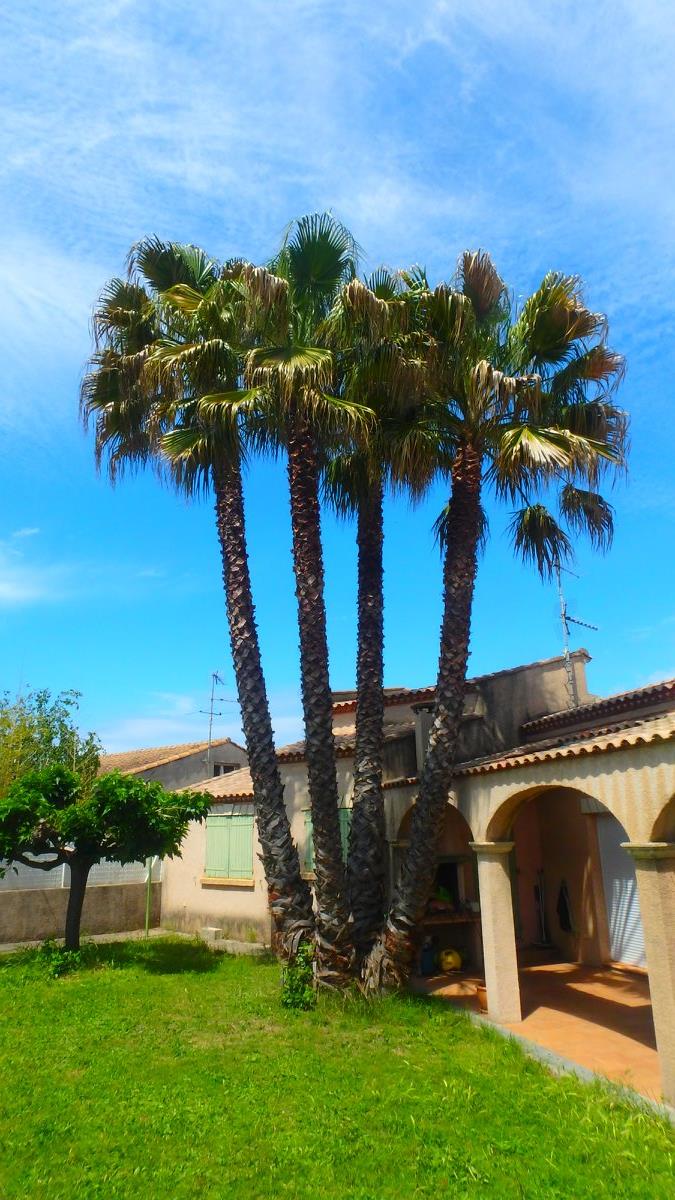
(333, 934)
(289, 896)
(366, 861)
(79, 874)
(390, 961)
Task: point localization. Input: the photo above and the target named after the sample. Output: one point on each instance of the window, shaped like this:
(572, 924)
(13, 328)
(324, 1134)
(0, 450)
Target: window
(223, 768)
(345, 817)
(229, 843)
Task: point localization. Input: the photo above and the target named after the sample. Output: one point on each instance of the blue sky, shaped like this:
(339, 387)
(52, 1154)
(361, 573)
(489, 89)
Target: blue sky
(542, 133)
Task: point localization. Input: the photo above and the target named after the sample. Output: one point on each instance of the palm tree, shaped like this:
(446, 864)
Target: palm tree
(527, 401)
(292, 372)
(378, 367)
(164, 338)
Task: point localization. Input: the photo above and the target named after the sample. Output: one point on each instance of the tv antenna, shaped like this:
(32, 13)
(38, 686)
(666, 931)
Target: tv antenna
(566, 620)
(210, 712)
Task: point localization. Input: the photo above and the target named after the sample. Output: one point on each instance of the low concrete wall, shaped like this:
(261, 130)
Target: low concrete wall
(34, 914)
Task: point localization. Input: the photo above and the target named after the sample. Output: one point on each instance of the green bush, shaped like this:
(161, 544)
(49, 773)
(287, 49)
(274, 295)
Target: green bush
(297, 980)
(58, 961)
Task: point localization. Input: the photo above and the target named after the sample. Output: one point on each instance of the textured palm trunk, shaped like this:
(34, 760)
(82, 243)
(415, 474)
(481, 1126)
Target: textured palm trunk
(289, 896)
(79, 874)
(334, 952)
(390, 962)
(366, 861)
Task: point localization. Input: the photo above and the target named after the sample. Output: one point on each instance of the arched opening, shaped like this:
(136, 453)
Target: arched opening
(451, 920)
(664, 826)
(574, 887)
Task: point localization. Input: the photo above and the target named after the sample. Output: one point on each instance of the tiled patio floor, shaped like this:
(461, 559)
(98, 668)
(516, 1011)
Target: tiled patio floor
(599, 1017)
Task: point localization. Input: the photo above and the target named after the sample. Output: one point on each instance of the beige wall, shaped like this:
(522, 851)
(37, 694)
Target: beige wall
(188, 903)
(241, 911)
(29, 915)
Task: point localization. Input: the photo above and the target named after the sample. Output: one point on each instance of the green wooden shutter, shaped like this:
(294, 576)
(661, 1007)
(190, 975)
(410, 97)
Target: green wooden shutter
(345, 815)
(309, 843)
(229, 845)
(345, 818)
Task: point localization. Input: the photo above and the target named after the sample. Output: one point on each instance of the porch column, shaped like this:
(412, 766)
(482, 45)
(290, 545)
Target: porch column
(498, 931)
(655, 873)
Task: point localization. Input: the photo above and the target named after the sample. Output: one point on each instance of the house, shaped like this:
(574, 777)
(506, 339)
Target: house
(178, 766)
(559, 835)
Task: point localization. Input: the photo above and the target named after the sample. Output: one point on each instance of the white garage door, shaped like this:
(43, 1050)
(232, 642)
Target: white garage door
(626, 938)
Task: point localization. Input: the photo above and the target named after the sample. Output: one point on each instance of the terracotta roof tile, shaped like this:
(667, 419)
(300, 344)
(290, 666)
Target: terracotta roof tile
(235, 785)
(655, 693)
(133, 761)
(659, 728)
(238, 785)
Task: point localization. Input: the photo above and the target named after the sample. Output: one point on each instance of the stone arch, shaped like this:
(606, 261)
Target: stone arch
(663, 829)
(501, 822)
(456, 828)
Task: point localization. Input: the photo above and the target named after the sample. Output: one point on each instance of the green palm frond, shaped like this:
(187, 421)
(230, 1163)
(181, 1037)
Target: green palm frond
(290, 366)
(588, 512)
(321, 254)
(599, 422)
(595, 364)
(385, 283)
(551, 321)
(538, 538)
(166, 264)
(346, 477)
(234, 404)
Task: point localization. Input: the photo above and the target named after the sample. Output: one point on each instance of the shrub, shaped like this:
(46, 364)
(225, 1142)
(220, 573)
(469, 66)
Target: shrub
(297, 980)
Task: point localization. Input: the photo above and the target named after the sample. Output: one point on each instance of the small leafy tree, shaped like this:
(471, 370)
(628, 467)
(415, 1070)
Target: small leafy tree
(38, 731)
(116, 818)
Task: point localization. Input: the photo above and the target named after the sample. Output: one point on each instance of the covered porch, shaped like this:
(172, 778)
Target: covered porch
(598, 1017)
(565, 862)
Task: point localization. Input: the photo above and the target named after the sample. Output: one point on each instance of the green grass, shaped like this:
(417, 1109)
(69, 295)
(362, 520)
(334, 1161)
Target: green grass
(163, 1070)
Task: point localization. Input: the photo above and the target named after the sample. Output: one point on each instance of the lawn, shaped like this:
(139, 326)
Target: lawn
(164, 1070)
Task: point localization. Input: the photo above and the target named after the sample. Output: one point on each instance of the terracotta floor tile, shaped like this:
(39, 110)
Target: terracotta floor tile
(599, 1017)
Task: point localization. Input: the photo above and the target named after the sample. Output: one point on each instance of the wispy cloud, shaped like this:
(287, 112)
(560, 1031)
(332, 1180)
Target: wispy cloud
(29, 580)
(168, 718)
(29, 531)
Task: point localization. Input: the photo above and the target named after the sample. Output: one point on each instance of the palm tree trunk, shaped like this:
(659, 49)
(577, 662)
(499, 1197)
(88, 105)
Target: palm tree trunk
(366, 861)
(391, 959)
(333, 934)
(79, 874)
(289, 896)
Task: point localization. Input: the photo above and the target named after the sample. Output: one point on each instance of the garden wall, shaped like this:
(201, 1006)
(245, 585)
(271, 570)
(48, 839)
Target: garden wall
(28, 915)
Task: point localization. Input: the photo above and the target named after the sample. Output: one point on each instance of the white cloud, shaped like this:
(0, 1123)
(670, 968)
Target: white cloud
(28, 581)
(29, 531)
(23, 583)
(171, 718)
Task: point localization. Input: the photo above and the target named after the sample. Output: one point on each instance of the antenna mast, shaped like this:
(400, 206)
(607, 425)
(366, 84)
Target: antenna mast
(215, 678)
(565, 621)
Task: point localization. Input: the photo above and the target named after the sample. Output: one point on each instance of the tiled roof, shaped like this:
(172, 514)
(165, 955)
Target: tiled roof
(133, 761)
(659, 728)
(655, 693)
(418, 695)
(234, 785)
(238, 785)
(345, 741)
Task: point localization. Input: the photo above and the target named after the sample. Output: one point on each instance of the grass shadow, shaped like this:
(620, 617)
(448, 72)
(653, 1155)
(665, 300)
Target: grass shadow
(159, 956)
